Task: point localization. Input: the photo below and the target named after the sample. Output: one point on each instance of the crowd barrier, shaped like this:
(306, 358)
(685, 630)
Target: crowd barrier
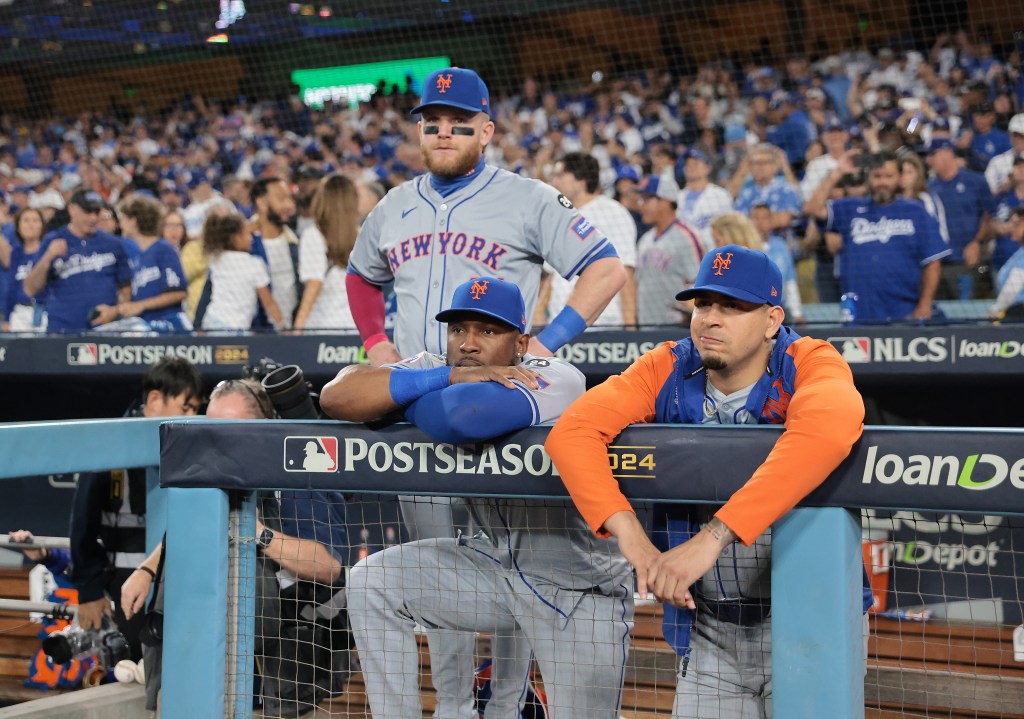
(818, 650)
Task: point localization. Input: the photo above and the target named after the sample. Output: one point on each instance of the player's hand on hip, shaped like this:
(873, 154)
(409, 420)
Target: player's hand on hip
(502, 375)
(383, 353)
(90, 614)
(537, 349)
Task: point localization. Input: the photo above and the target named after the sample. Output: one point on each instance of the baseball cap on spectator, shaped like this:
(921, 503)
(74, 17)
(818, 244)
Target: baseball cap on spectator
(627, 172)
(834, 124)
(198, 178)
(454, 87)
(1016, 125)
(780, 98)
(309, 172)
(661, 187)
(32, 177)
(490, 297)
(740, 273)
(815, 92)
(940, 143)
(940, 123)
(23, 189)
(88, 200)
(983, 108)
(696, 155)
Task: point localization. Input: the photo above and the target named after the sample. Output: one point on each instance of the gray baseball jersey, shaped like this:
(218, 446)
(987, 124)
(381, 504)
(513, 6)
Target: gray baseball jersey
(499, 224)
(667, 263)
(547, 539)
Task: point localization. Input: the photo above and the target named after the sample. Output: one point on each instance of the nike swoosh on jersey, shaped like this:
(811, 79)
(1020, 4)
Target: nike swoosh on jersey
(406, 212)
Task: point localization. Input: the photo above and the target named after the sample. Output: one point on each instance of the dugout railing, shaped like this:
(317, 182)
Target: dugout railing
(817, 641)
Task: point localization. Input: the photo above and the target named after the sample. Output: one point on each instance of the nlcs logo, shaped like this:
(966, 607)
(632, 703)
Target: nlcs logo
(722, 263)
(444, 82)
(479, 289)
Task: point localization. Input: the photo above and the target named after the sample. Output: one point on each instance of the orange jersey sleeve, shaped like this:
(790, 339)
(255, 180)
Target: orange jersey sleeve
(825, 418)
(578, 443)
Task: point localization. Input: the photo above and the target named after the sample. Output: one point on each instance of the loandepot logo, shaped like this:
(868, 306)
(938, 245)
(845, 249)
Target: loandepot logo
(947, 556)
(973, 471)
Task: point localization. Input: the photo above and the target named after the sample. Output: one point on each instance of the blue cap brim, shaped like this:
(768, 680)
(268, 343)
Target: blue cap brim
(458, 105)
(445, 315)
(737, 294)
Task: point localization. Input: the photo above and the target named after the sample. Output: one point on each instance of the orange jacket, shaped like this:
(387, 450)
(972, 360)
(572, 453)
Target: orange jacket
(810, 389)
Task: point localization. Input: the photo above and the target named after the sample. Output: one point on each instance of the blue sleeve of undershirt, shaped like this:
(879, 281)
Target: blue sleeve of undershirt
(472, 412)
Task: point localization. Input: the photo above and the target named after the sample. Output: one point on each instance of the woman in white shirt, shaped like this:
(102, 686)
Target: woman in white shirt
(240, 280)
(324, 248)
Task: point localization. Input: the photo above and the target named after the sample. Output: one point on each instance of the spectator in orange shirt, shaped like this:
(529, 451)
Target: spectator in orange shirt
(740, 365)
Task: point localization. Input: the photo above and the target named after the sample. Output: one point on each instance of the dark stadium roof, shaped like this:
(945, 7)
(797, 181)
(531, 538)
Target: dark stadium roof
(66, 29)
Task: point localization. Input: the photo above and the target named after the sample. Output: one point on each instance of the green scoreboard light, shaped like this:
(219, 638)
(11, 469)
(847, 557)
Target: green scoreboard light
(352, 84)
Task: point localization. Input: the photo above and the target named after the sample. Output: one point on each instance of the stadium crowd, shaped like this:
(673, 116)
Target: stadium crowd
(755, 139)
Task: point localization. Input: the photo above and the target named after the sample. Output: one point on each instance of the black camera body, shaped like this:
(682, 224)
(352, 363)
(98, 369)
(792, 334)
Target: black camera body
(108, 645)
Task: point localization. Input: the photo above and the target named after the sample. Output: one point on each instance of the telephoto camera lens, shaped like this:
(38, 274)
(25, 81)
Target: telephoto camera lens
(286, 387)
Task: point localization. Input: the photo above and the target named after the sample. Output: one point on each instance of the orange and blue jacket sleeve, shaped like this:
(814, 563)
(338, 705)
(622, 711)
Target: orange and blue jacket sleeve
(578, 443)
(825, 418)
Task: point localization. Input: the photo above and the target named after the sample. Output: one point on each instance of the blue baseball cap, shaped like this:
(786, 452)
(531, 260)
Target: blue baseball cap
(661, 187)
(627, 172)
(696, 155)
(490, 297)
(940, 143)
(834, 124)
(740, 273)
(454, 87)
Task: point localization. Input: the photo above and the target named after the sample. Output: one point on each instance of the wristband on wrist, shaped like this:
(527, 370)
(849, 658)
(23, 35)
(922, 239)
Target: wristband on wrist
(408, 385)
(564, 328)
(374, 340)
(147, 570)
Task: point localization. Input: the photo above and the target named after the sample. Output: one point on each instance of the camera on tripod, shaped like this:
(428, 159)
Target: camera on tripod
(108, 645)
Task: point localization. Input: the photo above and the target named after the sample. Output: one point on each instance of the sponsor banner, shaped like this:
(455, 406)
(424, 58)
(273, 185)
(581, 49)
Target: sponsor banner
(877, 352)
(937, 559)
(965, 470)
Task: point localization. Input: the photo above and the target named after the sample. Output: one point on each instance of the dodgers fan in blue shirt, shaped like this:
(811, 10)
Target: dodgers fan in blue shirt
(158, 281)
(86, 271)
(891, 245)
(965, 205)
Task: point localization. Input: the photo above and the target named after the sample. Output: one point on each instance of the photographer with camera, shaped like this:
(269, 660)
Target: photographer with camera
(302, 638)
(108, 513)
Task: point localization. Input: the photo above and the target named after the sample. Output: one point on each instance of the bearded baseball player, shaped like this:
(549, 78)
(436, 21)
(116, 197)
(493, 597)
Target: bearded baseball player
(535, 569)
(462, 220)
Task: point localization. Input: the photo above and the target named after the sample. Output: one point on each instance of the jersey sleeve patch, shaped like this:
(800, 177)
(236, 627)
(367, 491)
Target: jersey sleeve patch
(583, 228)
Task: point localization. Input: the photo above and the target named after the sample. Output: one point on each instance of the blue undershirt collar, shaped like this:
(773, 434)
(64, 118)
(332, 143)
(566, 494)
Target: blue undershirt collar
(445, 187)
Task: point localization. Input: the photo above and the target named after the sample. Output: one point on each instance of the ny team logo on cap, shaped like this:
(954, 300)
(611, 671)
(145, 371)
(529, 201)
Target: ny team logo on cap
(310, 454)
(722, 263)
(478, 289)
(444, 82)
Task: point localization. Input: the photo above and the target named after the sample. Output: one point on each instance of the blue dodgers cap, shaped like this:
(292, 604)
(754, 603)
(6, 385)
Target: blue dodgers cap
(834, 124)
(454, 87)
(738, 272)
(491, 297)
(696, 155)
(941, 143)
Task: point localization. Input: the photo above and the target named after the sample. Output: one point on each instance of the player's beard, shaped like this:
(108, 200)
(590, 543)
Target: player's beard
(713, 362)
(452, 167)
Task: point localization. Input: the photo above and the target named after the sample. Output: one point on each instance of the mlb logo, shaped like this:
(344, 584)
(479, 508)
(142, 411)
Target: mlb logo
(81, 354)
(855, 350)
(310, 454)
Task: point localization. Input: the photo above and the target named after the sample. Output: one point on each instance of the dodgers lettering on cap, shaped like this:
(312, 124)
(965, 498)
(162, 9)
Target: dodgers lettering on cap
(454, 87)
(738, 272)
(491, 297)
